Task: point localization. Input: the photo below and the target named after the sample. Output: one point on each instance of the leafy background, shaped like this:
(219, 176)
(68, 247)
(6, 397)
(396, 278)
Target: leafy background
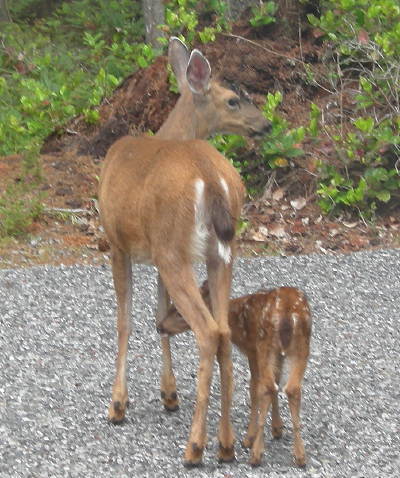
(60, 62)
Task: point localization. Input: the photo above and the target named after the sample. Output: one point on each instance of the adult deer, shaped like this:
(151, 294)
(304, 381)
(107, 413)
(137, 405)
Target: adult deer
(170, 200)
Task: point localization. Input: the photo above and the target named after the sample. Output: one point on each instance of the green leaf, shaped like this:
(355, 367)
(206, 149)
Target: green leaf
(383, 195)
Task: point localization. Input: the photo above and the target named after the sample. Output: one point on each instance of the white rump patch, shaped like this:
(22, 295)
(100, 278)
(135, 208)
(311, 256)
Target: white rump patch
(200, 233)
(295, 318)
(224, 252)
(224, 185)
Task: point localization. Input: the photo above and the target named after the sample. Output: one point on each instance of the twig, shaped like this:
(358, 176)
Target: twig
(268, 186)
(51, 210)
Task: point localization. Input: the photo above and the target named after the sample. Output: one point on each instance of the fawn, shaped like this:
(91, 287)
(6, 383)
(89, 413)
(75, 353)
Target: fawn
(268, 327)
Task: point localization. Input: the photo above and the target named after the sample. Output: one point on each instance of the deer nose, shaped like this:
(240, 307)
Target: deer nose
(261, 130)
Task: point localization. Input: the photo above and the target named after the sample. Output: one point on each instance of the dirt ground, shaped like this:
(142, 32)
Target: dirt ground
(284, 219)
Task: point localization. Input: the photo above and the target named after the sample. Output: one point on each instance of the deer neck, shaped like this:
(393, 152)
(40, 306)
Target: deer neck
(184, 122)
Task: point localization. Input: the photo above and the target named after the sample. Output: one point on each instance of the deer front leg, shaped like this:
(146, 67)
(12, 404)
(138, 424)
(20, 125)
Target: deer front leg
(122, 276)
(252, 428)
(219, 280)
(293, 392)
(168, 381)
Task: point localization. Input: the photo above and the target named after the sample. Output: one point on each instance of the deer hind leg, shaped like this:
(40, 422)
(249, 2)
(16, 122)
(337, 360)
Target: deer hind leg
(122, 275)
(276, 422)
(293, 392)
(184, 292)
(266, 391)
(252, 428)
(168, 381)
(219, 279)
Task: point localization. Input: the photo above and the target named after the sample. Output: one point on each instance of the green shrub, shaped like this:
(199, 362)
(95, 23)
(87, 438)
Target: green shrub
(277, 147)
(365, 36)
(263, 14)
(182, 18)
(20, 205)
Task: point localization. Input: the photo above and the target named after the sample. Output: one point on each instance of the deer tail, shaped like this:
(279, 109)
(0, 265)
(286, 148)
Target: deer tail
(221, 217)
(285, 331)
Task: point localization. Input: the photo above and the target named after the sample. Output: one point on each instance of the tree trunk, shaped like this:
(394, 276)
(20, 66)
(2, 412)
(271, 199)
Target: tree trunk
(4, 13)
(153, 14)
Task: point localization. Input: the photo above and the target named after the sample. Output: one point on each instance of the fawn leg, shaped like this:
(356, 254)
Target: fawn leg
(266, 391)
(276, 422)
(122, 275)
(219, 279)
(168, 381)
(293, 392)
(252, 428)
(183, 289)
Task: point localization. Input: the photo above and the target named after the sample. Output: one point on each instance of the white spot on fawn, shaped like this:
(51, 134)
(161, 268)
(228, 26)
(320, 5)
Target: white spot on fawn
(200, 233)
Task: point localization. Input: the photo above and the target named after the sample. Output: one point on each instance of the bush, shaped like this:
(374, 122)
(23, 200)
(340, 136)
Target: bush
(365, 36)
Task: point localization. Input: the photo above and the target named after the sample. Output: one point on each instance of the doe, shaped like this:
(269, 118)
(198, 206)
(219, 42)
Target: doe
(171, 200)
(268, 327)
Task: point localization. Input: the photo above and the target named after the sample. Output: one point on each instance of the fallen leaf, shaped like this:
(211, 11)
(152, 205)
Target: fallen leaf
(281, 162)
(278, 194)
(363, 37)
(260, 235)
(298, 228)
(350, 224)
(317, 33)
(277, 230)
(298, 203)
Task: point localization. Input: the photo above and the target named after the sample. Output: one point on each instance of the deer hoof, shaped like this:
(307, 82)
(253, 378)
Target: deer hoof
(116, 412)
(193, 456)
(170, 401)
(255, 459)
(300, 461)
(276, 432)
(226, 454)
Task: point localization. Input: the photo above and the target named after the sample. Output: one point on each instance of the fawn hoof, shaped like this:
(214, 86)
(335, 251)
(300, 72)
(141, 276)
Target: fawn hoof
(226, 454)
(247, 442)
(301, 461)
(116, 412)
(255, 460)
(276, 432)
(193, 456)
(170, 401)
(255, 456)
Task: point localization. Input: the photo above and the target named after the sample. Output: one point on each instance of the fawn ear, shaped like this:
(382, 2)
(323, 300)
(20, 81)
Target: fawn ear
(178, 57)
(198, 73)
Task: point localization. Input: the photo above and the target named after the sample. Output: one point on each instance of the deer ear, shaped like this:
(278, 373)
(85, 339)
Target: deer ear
(198, 73)
(178, 57)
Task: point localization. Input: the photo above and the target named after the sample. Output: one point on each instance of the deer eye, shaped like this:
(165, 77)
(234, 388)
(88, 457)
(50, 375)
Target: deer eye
(233, 102)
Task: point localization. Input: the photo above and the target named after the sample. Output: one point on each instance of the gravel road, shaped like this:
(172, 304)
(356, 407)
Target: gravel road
(57, 349)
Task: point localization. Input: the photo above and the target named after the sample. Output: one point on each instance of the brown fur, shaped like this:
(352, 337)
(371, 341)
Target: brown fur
(268, 327)
(157, 195)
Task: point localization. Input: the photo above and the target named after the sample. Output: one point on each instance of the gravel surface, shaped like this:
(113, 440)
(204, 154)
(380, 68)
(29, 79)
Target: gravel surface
(57, 349)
